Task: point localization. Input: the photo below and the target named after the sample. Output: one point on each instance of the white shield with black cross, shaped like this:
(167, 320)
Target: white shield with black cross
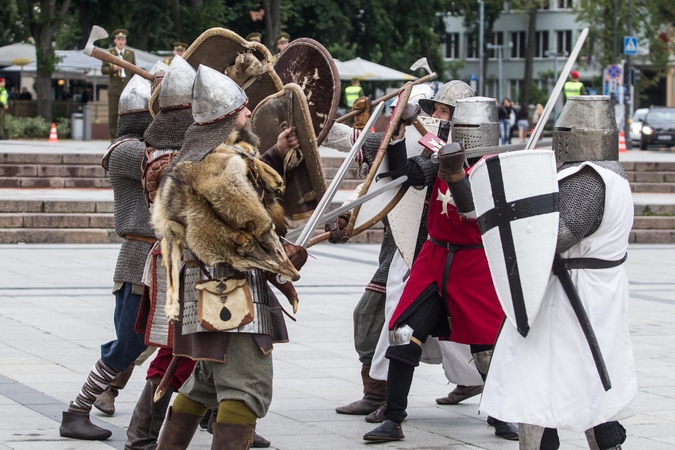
(516, 200)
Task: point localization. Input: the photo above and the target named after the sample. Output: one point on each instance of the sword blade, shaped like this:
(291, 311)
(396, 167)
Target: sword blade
(586, 326)
(478, 152)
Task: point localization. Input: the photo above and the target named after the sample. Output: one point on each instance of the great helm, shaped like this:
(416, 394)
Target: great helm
(475, 122)
(586, 130)
(215, 96)
(176, 89)
(135, 96)
(448, 95)
(418, 92)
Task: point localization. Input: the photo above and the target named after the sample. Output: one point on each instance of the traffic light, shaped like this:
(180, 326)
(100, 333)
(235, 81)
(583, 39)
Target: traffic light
(634, 75)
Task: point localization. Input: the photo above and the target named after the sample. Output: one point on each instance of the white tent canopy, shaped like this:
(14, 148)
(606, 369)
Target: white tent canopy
(9, 53)
(369, 71)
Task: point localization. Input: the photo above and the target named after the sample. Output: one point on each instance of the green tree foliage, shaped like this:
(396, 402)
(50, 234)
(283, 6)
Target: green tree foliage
(13, 29)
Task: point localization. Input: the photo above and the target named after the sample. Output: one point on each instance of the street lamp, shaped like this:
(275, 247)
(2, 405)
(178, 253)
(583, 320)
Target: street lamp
(555, 55)
(499, 49)
(481, 32)
(20, 62)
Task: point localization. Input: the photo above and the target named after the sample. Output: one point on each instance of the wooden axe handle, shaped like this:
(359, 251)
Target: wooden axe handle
(107, 57)
(168, 376)
(384, 98)
(317, 239)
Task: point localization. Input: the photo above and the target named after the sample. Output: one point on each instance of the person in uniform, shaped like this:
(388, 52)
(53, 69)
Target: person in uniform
(353, 92)
(549, 379)
(178, 49)
(118, 77)
(573, 87)
(233, 374)
(132, 222)
(281, 42)
(434, 302)
(4, 105)
(254, 37)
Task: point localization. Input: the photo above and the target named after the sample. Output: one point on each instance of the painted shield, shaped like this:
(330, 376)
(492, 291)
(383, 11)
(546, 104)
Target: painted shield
(305, 181)
(405, 218)
(308, 64)
(516, 199)
(247, 63)
(372, 211)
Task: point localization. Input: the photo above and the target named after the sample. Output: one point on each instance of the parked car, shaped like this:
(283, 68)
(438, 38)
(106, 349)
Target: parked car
(636, 125)
(658, 127)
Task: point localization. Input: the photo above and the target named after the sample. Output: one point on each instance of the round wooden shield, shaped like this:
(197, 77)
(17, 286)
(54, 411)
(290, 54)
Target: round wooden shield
(308, 64)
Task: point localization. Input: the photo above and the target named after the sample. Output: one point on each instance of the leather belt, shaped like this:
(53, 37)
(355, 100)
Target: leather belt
(138, 237)
(452, 249)
(585, 263)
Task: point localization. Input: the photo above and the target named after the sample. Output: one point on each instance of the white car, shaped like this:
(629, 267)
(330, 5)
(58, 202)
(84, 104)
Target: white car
(636, 125)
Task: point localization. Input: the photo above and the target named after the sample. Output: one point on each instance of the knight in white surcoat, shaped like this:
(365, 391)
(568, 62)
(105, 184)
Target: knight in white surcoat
(551, 379)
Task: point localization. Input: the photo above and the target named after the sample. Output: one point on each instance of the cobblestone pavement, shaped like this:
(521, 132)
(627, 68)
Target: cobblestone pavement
(56, 309)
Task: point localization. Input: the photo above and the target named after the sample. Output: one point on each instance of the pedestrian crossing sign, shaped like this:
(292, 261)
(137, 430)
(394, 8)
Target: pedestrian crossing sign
(630, 45)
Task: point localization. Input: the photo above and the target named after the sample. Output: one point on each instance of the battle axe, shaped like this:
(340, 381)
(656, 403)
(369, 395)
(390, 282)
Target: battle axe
(89, 50)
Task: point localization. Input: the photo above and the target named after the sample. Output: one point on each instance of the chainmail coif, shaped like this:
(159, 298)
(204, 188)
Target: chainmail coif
(168, 129)
(201, 139)
(133, 125)
(582, 203)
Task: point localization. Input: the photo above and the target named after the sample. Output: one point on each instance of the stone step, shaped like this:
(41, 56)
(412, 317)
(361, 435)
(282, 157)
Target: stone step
(52, 170)
(651, 177)
(654, 210)
(56, 220)
(55, 206)
(58, 236)
(654, 223)
(51, 158)
(662, 188)
(52, 183)
(652, 236)
(644, 166)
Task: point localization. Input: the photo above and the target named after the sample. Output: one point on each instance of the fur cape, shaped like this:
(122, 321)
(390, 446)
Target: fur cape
(223, 209)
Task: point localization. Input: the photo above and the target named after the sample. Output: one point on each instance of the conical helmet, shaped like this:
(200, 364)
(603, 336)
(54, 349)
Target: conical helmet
(215, 96)
(475, 122)
(135, 96)
(586, 130)
(448, 95)
(176, 89)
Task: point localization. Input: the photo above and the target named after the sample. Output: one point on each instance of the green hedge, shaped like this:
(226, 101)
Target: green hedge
(34, 127)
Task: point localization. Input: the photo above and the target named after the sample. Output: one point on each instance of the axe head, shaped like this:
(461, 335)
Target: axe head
(96, 34)
(421, 63)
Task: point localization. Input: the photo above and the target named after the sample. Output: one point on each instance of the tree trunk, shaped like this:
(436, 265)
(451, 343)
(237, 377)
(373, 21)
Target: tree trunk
(529, 54)
(46, 61)
(272, 22)
(177, 20)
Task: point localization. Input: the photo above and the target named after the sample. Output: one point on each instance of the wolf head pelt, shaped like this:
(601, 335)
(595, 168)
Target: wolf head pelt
(245, 66)
(213, 208)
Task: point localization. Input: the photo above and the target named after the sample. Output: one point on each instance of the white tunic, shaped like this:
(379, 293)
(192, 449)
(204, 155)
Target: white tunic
(549, 378)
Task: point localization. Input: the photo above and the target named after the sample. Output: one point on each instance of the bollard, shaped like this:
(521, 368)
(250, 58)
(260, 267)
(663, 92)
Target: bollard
(86, 112)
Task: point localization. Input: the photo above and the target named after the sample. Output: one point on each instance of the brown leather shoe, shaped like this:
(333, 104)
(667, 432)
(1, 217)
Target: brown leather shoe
(366, 405)
(387, 431)
(106, 401)
(459, 394)
(260, 442)
(78, 426)
(227, 436)
(178, 431)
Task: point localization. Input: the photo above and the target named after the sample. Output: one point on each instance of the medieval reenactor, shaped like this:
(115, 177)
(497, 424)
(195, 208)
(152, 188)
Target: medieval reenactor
(163, 138)
(409, 241)
(549, 379)
(434, 302)
(132, 222)
(232, 240)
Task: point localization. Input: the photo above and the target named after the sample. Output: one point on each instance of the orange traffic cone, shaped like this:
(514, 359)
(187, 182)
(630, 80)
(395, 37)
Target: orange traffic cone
(622, 142)
(52, 134)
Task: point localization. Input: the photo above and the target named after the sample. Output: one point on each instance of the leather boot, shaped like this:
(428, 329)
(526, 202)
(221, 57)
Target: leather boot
(459, 394)
(378, 415)
(228, 436)
(387, 431)
(106, 401)
(374, 395)
(78, 426)
(258, 441)
(147, 418)
(178, 431)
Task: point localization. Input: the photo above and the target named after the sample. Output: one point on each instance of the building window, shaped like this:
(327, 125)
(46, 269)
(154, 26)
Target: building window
(452, 45)
(541, 49)
(518, 41)
(471, 46)
(564, 39)
(515, 86)
(544, 4)
(497, 39)
(565, 4)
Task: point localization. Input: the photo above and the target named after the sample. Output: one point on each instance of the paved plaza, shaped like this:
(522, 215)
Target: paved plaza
(56, 309)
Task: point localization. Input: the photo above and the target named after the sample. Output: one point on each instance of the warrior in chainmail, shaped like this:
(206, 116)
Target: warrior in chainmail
(233, 374)
(123, 161)
(549, 379)
(450, 286)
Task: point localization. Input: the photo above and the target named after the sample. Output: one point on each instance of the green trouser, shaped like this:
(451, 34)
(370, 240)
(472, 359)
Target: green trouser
(2, 121)
(368, 323)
